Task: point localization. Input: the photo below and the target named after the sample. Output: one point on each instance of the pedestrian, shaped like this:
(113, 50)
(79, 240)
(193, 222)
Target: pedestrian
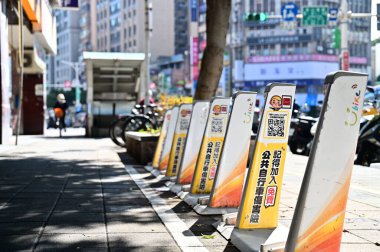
(60, 107)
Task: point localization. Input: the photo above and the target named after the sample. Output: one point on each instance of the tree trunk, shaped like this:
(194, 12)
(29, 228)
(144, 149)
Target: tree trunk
(217, 21)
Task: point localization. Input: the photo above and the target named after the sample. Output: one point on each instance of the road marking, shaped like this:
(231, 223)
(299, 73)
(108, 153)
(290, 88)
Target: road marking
(177, 228)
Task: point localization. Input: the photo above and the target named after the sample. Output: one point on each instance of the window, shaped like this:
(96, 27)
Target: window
(134, 29)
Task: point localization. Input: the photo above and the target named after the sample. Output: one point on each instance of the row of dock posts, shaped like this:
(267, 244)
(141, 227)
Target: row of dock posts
(203, 152)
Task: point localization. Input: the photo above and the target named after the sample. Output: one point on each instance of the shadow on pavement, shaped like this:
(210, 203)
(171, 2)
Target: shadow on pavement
(70, 204)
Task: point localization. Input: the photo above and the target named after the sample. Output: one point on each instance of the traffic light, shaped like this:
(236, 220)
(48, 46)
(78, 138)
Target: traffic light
(255, 17)
(336, 38)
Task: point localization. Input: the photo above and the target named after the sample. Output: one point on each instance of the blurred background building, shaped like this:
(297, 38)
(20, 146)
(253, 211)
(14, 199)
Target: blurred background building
(68, 41)
(278, 51)
(257, 52)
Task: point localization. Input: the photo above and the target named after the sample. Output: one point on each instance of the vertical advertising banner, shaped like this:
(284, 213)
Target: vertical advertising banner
(164, 158)
(211, 146)
(161, 139)
(230, 174)
(318, 219)
(260, 201)
(194, 57)
(179, 138)
(193, 142)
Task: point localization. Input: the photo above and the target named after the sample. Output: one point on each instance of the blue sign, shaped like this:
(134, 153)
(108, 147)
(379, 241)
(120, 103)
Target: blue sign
(289, 11)
(202, 8)
(67, 4)
(333, 14)
(194, 10)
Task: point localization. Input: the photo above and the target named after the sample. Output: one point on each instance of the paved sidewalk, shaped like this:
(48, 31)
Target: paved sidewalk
(362, 220)
(73, 194)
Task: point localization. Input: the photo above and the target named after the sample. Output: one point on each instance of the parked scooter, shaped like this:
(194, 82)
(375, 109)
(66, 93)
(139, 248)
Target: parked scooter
(368, 149)
(300, 137)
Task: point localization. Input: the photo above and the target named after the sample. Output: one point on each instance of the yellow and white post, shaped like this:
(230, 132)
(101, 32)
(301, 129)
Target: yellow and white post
(161, 139)
(259, 207)
(209, 153)
(228, 185)
(179, 138)
(192, 144)
(164, 158)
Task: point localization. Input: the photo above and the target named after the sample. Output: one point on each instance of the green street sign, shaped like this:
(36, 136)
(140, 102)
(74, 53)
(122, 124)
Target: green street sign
(315, 15)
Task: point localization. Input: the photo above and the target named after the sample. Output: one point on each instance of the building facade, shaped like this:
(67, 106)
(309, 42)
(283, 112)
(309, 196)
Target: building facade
(68, 41)
(275, 50)
(39, 39)
(181, 27)
(120, 27)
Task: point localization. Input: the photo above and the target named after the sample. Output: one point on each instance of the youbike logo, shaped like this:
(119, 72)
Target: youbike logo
(353, 110)
(249, 114)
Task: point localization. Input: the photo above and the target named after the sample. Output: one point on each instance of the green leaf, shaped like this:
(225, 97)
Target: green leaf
(208, 236)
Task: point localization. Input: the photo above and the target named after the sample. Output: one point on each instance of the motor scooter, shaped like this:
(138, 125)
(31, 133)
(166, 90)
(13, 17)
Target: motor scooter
(368, 148)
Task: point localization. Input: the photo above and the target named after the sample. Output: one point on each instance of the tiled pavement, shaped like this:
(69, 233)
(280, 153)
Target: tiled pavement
(73, 194)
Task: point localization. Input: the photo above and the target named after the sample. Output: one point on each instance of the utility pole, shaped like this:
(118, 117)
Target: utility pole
(76, 66)
(147, 48)
(344, 53)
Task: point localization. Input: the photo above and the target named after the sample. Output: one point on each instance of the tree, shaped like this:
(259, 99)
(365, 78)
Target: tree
(217, 21)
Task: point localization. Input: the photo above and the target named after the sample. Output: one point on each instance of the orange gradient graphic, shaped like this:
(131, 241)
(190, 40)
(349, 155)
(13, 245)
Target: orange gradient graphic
(164, 163)
(326, 232)
(158, 151)
(188, 173)
(229, 194)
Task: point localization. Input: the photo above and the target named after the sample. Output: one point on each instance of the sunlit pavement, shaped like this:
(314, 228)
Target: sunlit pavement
(362, 223)
(73, 193)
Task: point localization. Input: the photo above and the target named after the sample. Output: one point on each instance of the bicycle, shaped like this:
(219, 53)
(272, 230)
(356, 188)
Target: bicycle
(152, 120)
(139, 121)
(115, 129)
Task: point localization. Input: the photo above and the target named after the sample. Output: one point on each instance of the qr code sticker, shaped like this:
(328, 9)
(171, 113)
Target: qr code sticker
(183, 124)
(276, 125)
(217, 125)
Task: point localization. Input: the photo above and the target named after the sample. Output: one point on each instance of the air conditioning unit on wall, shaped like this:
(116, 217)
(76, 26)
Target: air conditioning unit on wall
(32, 63)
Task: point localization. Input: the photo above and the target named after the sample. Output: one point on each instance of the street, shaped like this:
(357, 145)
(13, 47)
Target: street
(74, 193)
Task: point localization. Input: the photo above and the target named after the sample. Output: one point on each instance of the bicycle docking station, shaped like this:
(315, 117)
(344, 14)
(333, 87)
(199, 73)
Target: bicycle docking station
(214, 178)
